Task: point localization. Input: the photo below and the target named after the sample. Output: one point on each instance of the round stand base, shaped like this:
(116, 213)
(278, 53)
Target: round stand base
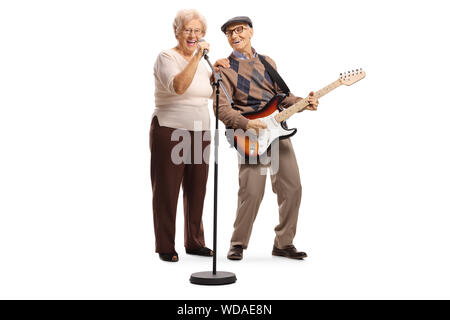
(208, 278)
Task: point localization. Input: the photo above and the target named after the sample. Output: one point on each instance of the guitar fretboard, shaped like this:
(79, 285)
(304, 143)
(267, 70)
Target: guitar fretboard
(285, 114)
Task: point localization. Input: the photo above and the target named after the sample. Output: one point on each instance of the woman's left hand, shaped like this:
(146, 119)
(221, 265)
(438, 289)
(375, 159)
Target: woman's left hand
(224, 63)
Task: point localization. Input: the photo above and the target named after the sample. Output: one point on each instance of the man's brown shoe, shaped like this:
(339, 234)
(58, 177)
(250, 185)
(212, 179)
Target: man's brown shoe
(235, 253)
(289, 252)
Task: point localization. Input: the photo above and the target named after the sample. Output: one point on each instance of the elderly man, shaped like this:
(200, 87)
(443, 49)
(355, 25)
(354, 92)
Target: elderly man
(251, 87)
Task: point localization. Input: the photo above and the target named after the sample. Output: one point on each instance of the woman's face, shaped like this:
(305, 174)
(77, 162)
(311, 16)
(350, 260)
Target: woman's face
(189, 36)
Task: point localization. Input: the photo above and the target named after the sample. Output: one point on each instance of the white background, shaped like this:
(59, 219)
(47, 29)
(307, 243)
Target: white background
(76, 98)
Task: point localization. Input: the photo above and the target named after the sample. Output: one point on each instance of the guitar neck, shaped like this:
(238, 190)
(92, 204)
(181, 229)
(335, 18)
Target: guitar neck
(286, 114)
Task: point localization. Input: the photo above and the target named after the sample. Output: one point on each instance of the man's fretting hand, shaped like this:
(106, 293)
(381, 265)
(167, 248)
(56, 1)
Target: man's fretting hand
(313, 102)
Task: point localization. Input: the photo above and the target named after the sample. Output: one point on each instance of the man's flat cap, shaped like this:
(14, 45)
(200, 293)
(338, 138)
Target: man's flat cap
(240, 19)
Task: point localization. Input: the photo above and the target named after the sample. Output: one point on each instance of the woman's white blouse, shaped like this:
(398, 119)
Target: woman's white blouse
(186, 111)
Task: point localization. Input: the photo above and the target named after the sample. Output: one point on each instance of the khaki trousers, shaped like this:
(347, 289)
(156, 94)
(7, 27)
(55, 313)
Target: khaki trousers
(285, 184)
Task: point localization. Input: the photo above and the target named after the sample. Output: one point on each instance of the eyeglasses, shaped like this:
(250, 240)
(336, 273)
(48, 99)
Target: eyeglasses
(195, 31)
(238, 30)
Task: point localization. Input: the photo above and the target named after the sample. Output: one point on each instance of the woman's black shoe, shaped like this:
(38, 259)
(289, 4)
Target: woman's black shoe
(170, 257)
(205, 252)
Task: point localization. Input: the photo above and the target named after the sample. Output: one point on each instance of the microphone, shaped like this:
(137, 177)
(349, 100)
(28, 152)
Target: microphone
(205, 51)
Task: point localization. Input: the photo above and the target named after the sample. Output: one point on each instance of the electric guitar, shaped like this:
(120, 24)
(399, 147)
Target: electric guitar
(252, 145)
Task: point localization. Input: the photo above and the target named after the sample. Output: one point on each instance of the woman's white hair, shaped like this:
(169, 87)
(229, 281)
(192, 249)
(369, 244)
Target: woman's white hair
(186, 15)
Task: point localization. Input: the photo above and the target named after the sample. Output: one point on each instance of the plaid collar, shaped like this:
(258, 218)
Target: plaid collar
(242, 56)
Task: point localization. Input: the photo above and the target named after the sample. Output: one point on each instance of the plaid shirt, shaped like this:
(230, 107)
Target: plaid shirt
(250, 87)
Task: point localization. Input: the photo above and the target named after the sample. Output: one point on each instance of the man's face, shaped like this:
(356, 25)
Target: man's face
(239, 36)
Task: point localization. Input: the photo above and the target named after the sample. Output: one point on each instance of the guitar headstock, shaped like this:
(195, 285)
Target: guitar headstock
(350, 77)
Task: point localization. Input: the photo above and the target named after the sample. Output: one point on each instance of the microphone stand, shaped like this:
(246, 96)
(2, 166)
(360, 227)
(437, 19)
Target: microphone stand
(215, 277)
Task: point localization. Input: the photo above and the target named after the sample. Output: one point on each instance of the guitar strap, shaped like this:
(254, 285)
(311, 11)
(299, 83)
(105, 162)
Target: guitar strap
(274, 75)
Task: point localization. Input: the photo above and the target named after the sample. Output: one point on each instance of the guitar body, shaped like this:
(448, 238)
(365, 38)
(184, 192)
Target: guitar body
(250, 145)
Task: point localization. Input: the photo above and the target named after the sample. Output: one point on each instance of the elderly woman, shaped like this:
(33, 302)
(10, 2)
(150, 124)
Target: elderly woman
(182, 89)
